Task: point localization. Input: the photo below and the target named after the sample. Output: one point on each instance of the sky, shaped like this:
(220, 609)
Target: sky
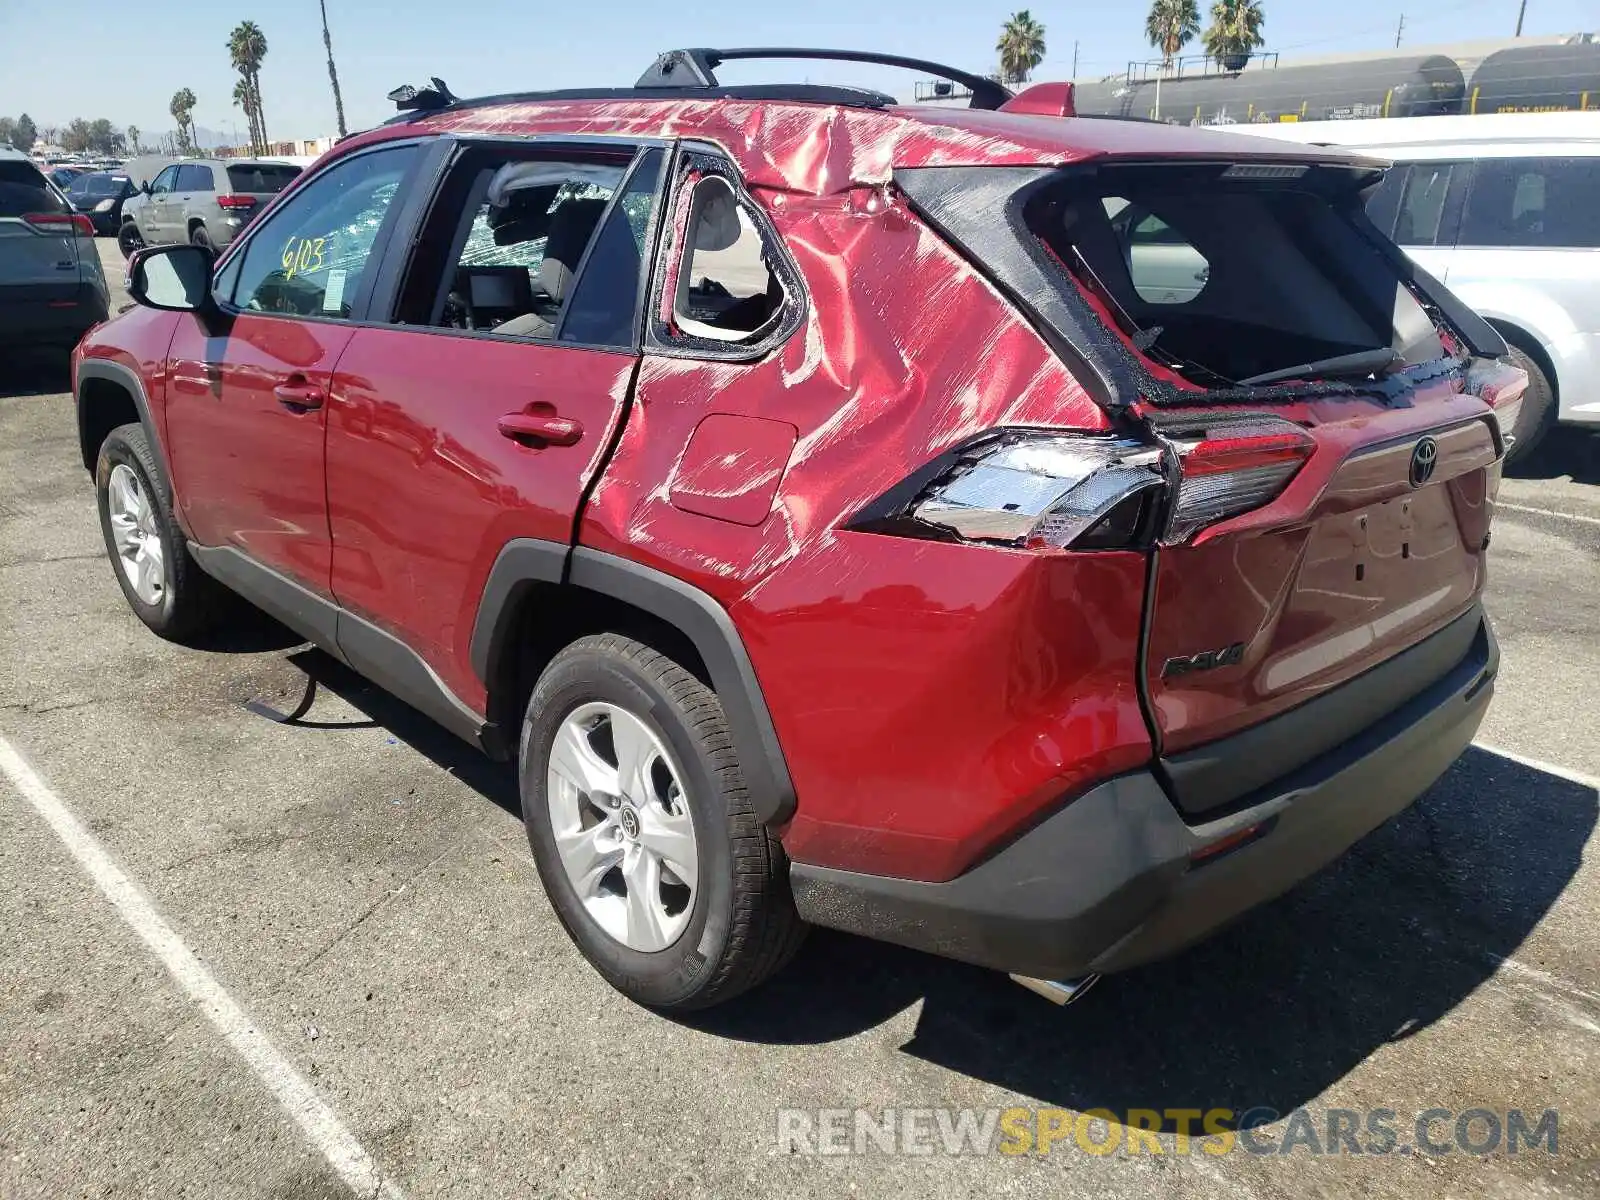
(59, 61)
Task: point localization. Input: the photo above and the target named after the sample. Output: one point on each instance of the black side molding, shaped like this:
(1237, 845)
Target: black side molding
(707, 624)
(354, 641)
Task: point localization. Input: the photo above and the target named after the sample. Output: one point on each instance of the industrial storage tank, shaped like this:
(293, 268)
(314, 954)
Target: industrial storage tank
(1538, 79)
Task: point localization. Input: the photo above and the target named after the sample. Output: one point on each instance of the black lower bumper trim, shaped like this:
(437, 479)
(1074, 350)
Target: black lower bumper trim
(1107, 882)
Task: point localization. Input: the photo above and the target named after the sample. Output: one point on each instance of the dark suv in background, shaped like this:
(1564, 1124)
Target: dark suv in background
(51, 286)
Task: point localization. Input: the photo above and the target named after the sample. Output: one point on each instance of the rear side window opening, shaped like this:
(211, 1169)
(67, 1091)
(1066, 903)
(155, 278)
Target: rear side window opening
(1235, 276)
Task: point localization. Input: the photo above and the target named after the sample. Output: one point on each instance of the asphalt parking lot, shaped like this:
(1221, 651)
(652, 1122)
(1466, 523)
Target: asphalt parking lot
(361, 892)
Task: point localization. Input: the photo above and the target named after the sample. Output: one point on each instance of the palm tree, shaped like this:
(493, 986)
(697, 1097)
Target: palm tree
(244, 96)
(247, 46)
(1172, 25)
(333, 74)
(133, 139)
(182, 109)
(1021, 47)
(1235, 31)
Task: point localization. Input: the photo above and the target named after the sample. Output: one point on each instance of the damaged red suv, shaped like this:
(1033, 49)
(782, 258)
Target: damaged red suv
(1030, 538)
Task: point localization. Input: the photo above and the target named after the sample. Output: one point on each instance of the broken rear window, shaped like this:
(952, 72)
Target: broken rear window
(1234, 275)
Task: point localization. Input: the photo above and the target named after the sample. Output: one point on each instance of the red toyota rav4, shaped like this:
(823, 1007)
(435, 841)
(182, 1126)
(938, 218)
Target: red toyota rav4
(1030, 538)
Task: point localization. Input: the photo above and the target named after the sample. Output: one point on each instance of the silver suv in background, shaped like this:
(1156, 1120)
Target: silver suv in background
(206, 201)
(52, 289)
(1505, 210)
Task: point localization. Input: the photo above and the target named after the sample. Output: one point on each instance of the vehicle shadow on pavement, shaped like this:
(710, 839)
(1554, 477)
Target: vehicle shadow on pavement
(34, 373)
(1566, 452)
(1267, 1014)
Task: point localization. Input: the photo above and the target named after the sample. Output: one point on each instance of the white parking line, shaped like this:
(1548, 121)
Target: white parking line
(321, 1124)
(1539, 764)
(1546, 512)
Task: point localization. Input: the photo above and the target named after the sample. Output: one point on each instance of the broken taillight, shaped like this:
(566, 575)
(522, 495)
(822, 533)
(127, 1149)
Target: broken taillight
(1231, 469)
(1038, 490)
(1502, 387)
(1043, 491)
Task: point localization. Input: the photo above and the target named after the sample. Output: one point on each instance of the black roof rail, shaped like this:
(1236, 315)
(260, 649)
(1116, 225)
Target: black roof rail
(695, 68)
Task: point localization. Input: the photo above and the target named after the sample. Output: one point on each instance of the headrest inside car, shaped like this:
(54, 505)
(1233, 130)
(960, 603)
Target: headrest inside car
(714, 215)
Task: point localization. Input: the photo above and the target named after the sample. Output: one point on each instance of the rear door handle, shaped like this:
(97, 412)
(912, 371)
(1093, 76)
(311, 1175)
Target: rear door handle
(544, 427)
(297, 395)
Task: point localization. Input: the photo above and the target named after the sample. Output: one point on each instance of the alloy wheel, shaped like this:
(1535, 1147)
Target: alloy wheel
(622, 826)
(140, 555)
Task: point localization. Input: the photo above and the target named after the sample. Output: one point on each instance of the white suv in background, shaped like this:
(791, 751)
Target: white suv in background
(1505, 210)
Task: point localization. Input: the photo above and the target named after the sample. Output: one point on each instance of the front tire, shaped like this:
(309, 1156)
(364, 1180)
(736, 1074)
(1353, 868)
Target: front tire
(643, 830)
(162, 583)
(129, 239)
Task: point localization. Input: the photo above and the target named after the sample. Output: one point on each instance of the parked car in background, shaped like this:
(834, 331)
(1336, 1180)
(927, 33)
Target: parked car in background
(52, 288)
(62, 175)
(99, 195)
(204, 201)
(1505, 210)
(810, 497)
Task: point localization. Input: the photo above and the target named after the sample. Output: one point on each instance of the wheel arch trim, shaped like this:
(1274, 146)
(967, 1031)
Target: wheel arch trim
(527, 562)
(128, 379)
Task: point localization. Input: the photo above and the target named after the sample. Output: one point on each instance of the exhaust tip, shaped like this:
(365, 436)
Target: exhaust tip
(1058, 991)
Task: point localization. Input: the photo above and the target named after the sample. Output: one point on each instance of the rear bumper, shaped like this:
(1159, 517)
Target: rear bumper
(1107, 882)
(30, 322)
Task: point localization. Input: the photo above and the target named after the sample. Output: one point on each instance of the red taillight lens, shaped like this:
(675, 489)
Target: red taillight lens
(236, 202)
(1232, 469)
(59, 223)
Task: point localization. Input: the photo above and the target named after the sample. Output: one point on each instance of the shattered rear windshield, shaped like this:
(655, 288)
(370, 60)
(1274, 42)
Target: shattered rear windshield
(1231, 280)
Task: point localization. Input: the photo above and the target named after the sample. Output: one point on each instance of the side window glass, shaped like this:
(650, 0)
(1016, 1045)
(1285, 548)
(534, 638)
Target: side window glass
(727, 289)
(1162, 266)
(1383, 204)
(163, 182)
(523, 235)
(1533, 202)
(194, 179)
(1422, 204)
(606, 299)
(309, 258)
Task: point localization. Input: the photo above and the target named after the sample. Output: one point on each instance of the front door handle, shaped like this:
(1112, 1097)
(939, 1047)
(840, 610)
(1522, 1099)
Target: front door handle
(297, 395)
(539, 423)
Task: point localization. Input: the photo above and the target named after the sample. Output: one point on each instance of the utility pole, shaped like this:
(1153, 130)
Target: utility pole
(1074, 58)
(1398, 32)
(1521, 12)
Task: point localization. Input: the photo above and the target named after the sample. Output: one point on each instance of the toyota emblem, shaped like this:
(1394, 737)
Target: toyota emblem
(1423, 458)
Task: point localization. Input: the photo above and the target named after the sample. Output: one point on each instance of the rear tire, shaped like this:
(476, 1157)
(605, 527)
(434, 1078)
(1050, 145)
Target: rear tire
(1538, 415)
(735, 923)
(129, 239)
(162, 583)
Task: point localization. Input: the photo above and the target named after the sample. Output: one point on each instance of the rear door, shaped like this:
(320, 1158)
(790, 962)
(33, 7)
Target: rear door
(38, 243)
(484, 414)
(193, 199)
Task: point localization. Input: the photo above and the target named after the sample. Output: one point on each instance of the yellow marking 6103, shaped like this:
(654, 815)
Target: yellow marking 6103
(302, 256)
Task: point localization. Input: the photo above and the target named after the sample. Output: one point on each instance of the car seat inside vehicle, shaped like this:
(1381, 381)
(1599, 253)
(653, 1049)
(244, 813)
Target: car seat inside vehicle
(524, 231)
(727, 289)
